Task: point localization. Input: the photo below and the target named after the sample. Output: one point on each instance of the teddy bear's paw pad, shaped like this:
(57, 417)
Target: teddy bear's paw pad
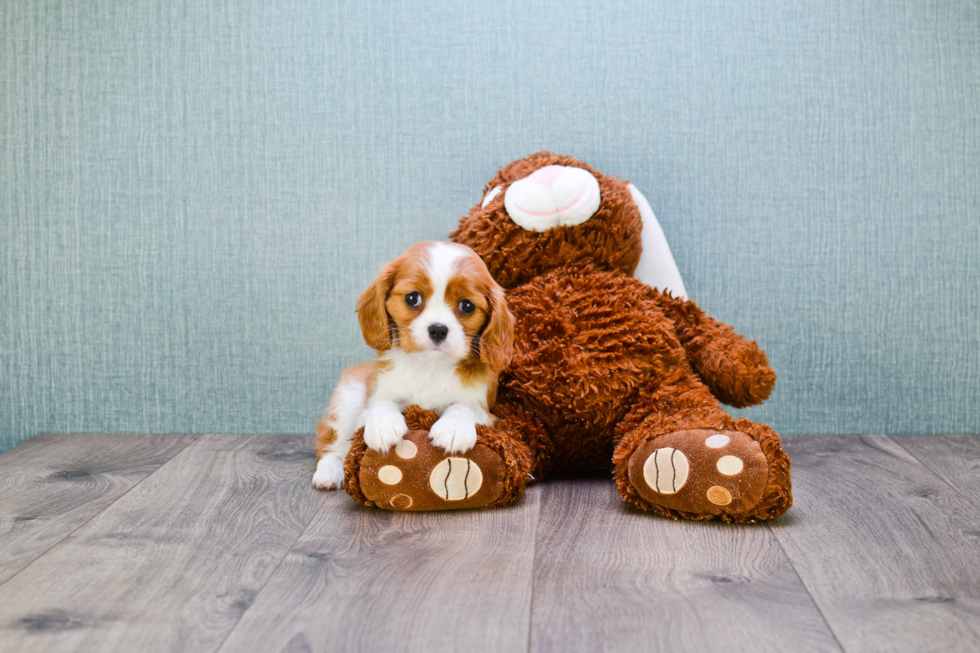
(700, 471)
(416, 475)
(456, 479)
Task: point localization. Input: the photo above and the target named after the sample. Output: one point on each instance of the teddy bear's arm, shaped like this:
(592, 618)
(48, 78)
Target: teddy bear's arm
(736, 370)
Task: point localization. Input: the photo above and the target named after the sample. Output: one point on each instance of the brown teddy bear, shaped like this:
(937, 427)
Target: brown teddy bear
(606, 371)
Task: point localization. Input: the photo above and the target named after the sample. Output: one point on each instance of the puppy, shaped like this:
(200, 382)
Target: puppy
(442, 331)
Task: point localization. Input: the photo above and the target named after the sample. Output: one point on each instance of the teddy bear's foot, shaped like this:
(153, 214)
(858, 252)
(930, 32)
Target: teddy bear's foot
(415, 475)
(701, 473)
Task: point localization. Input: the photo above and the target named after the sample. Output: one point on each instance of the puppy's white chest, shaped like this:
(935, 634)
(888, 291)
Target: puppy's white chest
(432, 384)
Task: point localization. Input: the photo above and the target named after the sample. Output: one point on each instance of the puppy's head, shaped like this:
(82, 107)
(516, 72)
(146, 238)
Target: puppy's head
(438, 298)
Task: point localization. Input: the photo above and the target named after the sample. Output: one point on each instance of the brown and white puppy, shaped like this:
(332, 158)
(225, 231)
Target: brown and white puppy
(442, 331)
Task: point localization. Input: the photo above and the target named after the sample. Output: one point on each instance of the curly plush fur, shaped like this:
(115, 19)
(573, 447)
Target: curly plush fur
(604, 363)
(605, 367)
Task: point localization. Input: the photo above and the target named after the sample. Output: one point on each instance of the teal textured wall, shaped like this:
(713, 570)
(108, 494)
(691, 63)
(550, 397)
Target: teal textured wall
(193, 194)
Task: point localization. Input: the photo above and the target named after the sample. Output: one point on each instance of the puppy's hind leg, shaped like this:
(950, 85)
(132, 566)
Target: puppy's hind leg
(344, 416)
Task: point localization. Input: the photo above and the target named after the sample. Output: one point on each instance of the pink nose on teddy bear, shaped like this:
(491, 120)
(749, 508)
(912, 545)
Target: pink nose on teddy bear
(547, 175)
(552, 196)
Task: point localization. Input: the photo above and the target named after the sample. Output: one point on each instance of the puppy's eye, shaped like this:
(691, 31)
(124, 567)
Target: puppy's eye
(466, 307)
(413, 299)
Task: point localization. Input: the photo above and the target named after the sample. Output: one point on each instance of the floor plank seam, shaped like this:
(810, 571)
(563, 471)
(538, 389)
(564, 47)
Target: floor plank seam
(272, 574)
(106, 507)
(534, 569)
(973, 502)
(813, 599)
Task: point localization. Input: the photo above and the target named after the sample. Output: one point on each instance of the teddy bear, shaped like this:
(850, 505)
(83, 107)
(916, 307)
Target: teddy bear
(607, 371)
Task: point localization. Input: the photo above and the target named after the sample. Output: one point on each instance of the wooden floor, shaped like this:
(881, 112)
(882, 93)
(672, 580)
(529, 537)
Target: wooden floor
(218, 543)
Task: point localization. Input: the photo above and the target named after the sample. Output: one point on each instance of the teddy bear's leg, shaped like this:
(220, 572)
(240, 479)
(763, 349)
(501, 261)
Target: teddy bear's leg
(736, 370)
(679, 454)
(416, 475)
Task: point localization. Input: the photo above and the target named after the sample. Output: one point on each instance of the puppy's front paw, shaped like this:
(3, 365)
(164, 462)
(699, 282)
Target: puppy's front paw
(384, 427)
(455, 431)
(329, 473)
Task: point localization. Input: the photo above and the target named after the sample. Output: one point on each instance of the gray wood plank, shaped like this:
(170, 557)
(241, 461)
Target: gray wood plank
(888, 551)
(52, 484)
(953, 458)
(367, 580)
(174, 563)
(612, 578)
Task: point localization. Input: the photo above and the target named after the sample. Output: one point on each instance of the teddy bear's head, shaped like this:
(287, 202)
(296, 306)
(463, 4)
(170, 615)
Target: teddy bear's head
(548, 210)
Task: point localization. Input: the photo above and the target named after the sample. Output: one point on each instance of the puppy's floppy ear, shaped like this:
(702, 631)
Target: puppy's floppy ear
(497, 340)
(371, 312)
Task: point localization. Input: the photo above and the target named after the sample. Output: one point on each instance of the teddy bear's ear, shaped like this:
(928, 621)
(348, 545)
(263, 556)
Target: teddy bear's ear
(497, 341)
(489, 197)
(371, 311)
(656, 268)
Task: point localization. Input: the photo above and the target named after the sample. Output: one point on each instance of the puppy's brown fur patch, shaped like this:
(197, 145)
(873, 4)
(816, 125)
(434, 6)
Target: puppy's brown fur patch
(325, 434)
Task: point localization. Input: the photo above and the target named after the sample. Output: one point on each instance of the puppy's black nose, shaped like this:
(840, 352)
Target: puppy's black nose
(438, 332)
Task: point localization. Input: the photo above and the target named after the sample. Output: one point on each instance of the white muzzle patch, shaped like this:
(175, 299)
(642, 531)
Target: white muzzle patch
(551, 197)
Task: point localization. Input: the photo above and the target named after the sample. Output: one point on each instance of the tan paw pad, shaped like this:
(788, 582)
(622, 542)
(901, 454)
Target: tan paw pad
(718, 495)
(456, 479)
(390, 475)
(717, 441)
(666, 470)
(730, 465)
(401, 502)
(406, 449)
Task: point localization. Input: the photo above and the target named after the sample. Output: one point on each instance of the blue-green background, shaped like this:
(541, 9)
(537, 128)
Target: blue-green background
(192, 194)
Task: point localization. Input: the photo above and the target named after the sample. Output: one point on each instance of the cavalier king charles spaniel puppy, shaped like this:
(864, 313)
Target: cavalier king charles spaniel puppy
(442, 331)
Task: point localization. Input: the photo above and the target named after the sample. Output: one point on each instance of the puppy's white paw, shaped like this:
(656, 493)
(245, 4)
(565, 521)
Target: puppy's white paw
(455, 431)
(329, 473)
(384, 427)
